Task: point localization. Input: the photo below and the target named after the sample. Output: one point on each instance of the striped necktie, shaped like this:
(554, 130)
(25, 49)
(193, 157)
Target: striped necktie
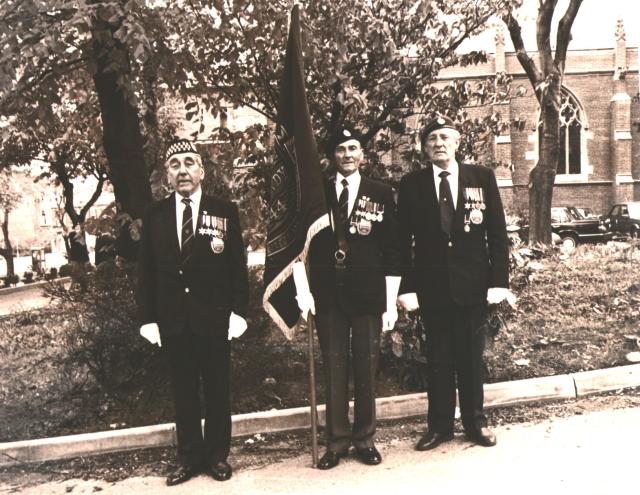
(446, 203)
(343, 202)
(187, 230)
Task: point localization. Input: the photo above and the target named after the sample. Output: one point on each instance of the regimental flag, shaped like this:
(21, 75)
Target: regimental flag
(297, 207)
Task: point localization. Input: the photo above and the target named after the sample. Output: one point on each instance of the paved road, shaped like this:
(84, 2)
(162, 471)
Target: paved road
(15, 302)
(593, 453)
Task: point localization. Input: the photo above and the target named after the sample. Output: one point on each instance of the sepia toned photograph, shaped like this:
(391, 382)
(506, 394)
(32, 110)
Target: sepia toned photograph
(319, 246)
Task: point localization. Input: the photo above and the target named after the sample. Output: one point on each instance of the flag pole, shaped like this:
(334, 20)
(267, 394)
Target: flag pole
(312, 392)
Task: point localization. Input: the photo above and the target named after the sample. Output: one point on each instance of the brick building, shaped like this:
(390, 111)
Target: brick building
(600, 126)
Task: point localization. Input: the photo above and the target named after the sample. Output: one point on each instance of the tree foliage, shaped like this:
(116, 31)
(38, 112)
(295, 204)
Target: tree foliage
(546, 79)
(372, 63)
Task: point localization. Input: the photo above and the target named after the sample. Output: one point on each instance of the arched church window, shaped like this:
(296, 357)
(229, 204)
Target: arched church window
(570, 135)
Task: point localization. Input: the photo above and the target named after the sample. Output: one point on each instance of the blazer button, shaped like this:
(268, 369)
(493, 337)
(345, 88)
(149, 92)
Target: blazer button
(179, 272)
(186, 290)
(450, 244)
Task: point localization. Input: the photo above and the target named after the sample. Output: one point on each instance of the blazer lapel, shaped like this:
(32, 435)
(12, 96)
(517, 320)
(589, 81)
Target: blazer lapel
(463, 181)
(362, 188)
(172, 223)
(429, 185)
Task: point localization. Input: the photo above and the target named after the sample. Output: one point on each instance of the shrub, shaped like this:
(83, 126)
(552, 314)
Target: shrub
(102, 338)
(65, 270)
(402, 349)
(28, 277)
(52, 274)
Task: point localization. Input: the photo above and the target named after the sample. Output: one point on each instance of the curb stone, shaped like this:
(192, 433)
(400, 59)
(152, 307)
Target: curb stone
(403, 406)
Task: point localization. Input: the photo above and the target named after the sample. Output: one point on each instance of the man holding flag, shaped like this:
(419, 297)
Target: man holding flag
(297, 208)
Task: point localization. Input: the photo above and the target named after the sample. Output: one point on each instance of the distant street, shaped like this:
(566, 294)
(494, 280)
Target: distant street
(593, 453)
(27, 299)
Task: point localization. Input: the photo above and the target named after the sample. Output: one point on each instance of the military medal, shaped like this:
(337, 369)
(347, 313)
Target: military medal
(364, 226)
(217, 245)
(476, 216)
(352, 229)
(467, 228)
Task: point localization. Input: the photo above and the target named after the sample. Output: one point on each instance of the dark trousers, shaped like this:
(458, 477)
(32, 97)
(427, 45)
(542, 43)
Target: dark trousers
(195, 359)
(339, 334)
(455, 344)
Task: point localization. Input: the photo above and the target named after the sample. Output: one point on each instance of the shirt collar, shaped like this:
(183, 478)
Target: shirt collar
(352, 179)
(453, 169)
(194, 197)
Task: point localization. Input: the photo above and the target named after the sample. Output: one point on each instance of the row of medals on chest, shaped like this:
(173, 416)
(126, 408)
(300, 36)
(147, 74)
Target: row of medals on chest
(366, 213)
(215, 228)
(474, 205)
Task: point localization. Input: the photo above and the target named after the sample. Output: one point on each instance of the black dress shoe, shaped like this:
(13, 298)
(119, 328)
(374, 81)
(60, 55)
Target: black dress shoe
(330, 459)
(181, 474)
(432, 439)
(221, 471)
(369, 456)
(482, 436)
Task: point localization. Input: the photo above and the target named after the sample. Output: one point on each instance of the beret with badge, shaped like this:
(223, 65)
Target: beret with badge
(342, 135)
(440, 122)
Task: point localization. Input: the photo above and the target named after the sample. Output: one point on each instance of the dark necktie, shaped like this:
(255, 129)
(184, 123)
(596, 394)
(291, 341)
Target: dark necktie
(343, 202)
(446, 203)
(187, 230)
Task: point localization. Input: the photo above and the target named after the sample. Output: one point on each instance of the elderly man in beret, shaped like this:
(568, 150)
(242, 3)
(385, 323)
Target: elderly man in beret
(193, 295)
(355, 276)
(455, 259)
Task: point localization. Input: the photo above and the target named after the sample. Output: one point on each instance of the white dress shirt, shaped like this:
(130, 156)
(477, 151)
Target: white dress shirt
(452, 178)
(353, 182)
(195, 208)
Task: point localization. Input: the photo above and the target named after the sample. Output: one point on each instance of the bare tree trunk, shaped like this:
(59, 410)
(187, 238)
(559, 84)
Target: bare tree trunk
(122, 137)
(542, 176)
(7, 251)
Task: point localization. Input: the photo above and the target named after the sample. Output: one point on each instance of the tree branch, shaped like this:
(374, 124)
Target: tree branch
(564, 33)
(543, 34)
(528, 64)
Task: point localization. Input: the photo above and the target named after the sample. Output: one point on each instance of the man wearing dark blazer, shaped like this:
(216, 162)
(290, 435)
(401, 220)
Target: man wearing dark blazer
(354, 298)
(455, 260)
(193, 295)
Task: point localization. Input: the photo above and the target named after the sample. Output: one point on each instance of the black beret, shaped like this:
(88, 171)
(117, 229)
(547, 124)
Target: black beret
(439, 122)
(178, 146)
(343, 134)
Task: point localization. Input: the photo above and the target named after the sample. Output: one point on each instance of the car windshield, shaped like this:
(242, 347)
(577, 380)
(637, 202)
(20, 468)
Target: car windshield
(634, 210)
(574, 214)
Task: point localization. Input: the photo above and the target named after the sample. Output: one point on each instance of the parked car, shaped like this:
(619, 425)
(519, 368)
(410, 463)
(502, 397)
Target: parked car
(573, 227)
(587, 212)
(624, 219)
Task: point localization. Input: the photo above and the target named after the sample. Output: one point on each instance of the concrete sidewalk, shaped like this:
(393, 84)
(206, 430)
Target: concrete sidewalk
(585, 454)
(403, 406)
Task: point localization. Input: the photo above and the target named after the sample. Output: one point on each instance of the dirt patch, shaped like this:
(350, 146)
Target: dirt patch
(574, 313)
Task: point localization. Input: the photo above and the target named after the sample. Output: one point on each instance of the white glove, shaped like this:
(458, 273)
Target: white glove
(303, 293)
(409, 301)
(495, 295)
(237, 326)
(151, 332)
(390, 316)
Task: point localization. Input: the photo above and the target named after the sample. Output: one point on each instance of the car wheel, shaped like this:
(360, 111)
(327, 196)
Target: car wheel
(569, 242)
(633, 233)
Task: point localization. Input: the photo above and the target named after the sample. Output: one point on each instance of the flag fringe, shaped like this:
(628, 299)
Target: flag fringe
(321, 223)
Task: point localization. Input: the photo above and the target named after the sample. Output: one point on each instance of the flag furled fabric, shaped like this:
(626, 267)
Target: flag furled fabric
(297, 207)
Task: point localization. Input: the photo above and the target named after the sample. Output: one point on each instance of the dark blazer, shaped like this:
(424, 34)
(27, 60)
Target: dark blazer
(204, 291)
(371, 257)
(462, 268)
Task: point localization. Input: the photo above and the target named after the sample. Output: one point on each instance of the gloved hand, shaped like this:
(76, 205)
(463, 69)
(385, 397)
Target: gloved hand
(303, 293)
(151, 332)
(495, 295)
(237, 326)
(409, 301)
(390, 316)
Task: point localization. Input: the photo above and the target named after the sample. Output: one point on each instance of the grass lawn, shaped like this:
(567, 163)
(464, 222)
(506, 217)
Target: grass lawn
(574, 313)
